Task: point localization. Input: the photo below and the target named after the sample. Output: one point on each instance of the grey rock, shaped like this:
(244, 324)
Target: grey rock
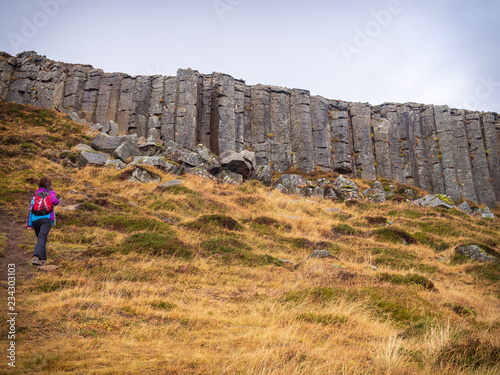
(105, 128)
(82, 147)
(74, 116)
(230, 177)
(169, 184)
(201, 172)
(434, 201)
(475, 253)
(465, 208)
(410, 193)
(242, 162)
(116, 163)
(126, 150)
(487, 214)
(280, 188)
(151, 148)
(263, 174)
(329, 193)
(92, 158)
(320, 254)
(292, 183)
(97, 127)
(345, 188)
(113, 129)
(143, 176)
(155, 161)
(106, 143)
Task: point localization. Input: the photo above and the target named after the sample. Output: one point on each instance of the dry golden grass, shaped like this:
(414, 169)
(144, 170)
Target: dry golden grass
(226, 308)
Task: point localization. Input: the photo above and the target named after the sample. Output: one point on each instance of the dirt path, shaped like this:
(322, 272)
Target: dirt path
(12, 254)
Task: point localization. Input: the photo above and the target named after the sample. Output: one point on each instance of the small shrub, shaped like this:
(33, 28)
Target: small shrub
(377, 220)
(157, 244)
(163, 305)
(210, 222)
(487, 271)
(344, 229)
(411, 279)
(88, 206)
(394, 235)
(327, 319)
(432, 241)
(459, 309)
(230, 250)
(471, 353)
(301, 243)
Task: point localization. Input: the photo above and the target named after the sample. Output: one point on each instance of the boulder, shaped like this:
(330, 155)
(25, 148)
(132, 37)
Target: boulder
(201, 172)
(143, 176)
(151, 148)
(465, 208)
(126, 150)
(117, 163)
(169, 184)
(292, 183)
(438, 200)
(376, 194)
(230, 177)
(113, 129)
(329, 193)
(92, 158)
(319, 254)
(263, 174)
(242, 162)
(81, 147)
(106, 143)
(345, 188)
(486, 213)
(156, 161)
(74, 116)
(475, 253)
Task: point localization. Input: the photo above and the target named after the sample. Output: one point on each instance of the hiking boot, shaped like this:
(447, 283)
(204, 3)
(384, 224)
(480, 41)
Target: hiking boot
(43, 262)
(36, 261)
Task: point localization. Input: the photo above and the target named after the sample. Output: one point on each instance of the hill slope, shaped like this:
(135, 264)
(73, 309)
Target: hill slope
(191, 280)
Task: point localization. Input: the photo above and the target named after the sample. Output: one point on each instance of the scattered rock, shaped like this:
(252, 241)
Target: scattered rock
(81, 147)
(320, 254)
(143, 176)
(92, 158)
(229, 177)
(376, 194)
(475, 253)
(465, 208)
(345, 188)
(169, 184)
(486, 213)
(117, 163)
(74, 116)
(263, 174)
(242, 163)
(126, 150)
(155, 161)
(437, 200)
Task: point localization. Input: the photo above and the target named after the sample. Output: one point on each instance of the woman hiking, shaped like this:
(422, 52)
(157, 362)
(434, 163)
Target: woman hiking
(41, 217)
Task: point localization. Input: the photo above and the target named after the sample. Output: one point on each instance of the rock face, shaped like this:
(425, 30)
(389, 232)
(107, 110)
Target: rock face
(442, 150)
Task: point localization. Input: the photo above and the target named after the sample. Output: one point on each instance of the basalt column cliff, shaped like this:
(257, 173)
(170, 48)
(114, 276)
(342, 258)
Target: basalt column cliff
(442, 150)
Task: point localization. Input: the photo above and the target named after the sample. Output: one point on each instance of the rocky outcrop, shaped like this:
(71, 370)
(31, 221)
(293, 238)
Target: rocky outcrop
(439, 149)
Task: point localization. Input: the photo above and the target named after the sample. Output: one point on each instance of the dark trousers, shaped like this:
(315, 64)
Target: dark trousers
(42, 228)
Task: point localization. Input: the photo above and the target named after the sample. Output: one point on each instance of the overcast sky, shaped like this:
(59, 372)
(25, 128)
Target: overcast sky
(424, 51)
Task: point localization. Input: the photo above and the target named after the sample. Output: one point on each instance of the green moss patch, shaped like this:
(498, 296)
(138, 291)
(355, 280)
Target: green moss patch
(157, 244)
(394, 235)
(437, 244)
(230, 250)
(410, 279)
(323, 319)
(210, 222)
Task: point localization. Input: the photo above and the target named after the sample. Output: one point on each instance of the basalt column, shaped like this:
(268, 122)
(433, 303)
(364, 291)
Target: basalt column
(422, 167)
(73, 92)
(187, 108)
(381, 127)
(431, 146)
(23, 79)
(442, 117)
(341, 138)
(279, 135)
(241, 115)
(222, 129)
(141, 102)
(462, 156)
(482, 179)
(205, 110)
(301, 131)
(169, 105)
(6, 69)
(321, 129)
(261, 123)
(48, 91)
(362, 141)
(125, 104)
(107, 100)
(91, 93)
(406, 121)
(156, 106)
(492, 152)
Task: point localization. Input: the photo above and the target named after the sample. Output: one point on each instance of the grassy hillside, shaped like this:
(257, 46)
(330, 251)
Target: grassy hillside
(190, 281)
